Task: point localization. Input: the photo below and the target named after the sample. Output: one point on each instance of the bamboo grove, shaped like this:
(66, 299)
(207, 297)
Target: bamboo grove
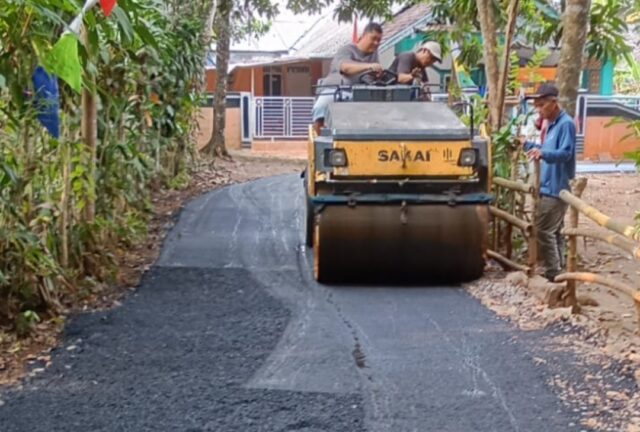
(68, 204)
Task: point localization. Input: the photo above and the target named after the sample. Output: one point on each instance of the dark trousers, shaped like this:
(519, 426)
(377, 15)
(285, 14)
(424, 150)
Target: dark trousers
(549, 222)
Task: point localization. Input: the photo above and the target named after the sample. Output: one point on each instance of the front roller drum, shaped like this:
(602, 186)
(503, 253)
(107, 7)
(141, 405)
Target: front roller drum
(393, 243)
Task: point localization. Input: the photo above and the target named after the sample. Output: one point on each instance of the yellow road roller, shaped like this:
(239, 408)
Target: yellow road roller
(397, 190)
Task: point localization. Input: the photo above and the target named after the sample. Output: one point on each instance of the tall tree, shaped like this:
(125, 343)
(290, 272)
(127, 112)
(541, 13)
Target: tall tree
(575, 22)
(222, 32)
(489, 28)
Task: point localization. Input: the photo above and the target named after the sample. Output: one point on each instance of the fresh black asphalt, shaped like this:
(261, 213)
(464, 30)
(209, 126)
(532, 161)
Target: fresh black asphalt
(228, 332)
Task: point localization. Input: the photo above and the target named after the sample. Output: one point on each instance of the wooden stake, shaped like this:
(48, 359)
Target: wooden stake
(572, 259)
(533, 240)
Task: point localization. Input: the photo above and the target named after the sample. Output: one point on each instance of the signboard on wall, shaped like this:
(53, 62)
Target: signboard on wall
(298, 80)
(298, 69)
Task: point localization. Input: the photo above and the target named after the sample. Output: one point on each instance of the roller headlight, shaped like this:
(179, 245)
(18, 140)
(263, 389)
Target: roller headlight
(468, 157)
(335, 158)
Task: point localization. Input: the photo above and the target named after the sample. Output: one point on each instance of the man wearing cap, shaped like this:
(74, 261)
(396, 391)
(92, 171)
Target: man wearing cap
(557, 156)
(410, 65)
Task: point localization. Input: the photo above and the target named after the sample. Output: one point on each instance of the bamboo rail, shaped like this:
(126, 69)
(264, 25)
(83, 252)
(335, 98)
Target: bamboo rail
(598, 217)
(513, 185)
(508, 217)
(613, 239)
(507, 262)
(602, 280)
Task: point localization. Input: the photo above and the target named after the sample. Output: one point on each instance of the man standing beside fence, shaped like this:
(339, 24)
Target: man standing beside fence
(557, 156)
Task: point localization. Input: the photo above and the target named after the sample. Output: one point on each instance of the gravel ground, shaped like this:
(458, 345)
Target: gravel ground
(174, 357)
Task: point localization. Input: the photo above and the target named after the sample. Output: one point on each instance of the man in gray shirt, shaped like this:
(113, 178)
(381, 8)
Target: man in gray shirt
(350, 63)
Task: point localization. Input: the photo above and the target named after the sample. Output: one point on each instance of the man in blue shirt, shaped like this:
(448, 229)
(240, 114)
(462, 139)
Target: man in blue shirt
(557, 156)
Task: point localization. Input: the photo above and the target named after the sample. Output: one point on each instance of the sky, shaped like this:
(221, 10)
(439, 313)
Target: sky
(285, 30)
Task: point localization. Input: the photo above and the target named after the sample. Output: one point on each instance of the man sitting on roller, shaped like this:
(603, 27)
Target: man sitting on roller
(350, 63)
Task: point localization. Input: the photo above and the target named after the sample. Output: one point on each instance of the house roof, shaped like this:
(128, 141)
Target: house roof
(405, 23)
(325, 37)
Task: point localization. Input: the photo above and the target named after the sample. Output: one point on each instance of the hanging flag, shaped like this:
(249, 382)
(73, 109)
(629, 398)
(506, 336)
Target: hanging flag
(354, 37)
(64, 62)
(47, 100)
(107, 6)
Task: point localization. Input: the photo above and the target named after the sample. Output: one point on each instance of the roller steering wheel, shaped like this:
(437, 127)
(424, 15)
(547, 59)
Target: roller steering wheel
(387, 77)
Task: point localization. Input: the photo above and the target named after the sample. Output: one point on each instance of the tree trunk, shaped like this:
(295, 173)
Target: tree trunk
(488, 27)
(222, 29)
(208, 26)
(575, 22)
(506, 64)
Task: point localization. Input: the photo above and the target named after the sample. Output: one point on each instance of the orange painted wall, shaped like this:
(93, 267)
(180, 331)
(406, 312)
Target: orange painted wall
(525, 76)
(242, 80)
(232, 133)
(606, 142)
(211, 77)
(239, 81)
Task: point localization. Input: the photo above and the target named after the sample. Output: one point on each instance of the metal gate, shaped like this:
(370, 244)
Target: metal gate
(282, 117)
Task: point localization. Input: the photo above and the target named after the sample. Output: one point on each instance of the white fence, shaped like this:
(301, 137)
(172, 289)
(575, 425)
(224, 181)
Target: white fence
(282, 117)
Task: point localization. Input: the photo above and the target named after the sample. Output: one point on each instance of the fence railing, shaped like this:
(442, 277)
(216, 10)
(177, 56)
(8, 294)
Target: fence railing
(614, 232)
(515, 215)
(282, 117)
(611, 231)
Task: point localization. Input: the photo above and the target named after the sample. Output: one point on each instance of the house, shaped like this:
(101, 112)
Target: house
(278, 73)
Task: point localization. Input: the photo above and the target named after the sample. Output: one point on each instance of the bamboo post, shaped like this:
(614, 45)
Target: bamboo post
(496, 225)
(533, 238)
(508, 236)
(572, 259)
(89, 129)
(511, 193)
(64, 202)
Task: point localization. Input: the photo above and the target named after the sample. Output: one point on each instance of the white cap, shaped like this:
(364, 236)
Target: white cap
(433, 48)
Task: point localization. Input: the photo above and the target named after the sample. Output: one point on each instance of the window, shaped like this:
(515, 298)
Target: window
(272, 81)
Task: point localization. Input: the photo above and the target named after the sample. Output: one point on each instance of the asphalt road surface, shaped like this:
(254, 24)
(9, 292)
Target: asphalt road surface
(229, 332)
